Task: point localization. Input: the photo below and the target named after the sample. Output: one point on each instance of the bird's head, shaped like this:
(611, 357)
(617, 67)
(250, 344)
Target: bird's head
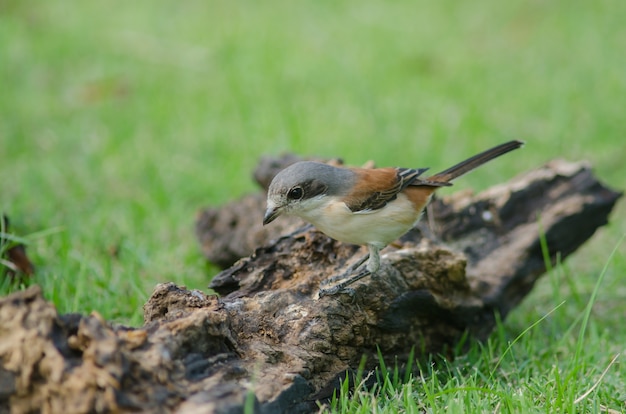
(303, 187)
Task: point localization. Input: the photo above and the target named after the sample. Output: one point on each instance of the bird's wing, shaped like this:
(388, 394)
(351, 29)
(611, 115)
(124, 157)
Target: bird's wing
(377, 187)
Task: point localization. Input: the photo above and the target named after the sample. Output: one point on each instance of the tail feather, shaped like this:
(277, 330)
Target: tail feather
(474, 162)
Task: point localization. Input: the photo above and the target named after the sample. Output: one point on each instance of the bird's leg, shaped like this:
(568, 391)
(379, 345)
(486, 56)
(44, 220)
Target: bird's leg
(358, 264)
(348, 272)
(374, 263)
(372, 266)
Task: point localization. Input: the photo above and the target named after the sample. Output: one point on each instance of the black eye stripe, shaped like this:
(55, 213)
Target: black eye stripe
(308, 189)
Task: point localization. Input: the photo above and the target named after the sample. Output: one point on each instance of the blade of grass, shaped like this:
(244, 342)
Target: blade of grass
(510, 346)
(597, 383)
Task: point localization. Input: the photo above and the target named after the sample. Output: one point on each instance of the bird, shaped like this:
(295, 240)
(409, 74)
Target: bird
(362, 206)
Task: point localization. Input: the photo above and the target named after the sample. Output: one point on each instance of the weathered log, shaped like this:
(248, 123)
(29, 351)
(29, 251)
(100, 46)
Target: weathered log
(270, 340)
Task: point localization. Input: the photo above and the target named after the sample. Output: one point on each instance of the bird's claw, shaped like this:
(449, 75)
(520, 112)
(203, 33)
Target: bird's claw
(337, 289)
(343, 286)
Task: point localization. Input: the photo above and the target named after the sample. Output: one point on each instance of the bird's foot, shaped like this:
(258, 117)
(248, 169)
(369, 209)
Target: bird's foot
(343, 286)
(335, 290)
(345, 275)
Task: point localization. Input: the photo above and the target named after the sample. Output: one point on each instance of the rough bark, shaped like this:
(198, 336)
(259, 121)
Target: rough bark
(270, 340)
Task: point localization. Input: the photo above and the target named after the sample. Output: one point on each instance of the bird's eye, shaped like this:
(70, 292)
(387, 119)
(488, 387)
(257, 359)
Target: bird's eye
(295, 193)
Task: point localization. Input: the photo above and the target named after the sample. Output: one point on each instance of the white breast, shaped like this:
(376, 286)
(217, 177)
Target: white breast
(377, 227)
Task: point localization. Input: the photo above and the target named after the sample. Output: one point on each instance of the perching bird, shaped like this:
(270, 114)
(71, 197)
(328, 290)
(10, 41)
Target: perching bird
(364, 206)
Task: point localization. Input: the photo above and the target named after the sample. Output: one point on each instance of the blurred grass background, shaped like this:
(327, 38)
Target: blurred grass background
(119, 120)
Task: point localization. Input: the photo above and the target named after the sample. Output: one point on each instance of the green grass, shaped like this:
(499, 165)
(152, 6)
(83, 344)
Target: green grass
(119, 120)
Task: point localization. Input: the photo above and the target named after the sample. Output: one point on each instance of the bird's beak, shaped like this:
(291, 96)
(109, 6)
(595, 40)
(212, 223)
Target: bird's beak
(270, 215)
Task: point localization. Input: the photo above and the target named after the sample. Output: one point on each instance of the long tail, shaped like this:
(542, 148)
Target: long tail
(474, 162)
